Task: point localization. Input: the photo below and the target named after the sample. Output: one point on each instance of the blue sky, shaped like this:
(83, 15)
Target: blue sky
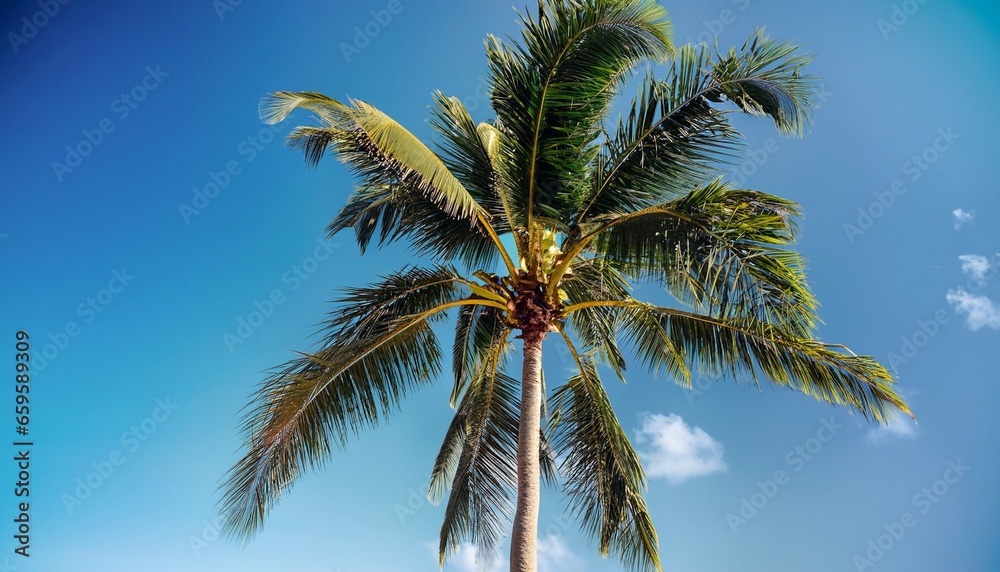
(135, 264)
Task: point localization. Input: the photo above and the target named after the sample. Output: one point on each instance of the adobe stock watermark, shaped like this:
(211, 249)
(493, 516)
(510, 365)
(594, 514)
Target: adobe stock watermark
(211, 531)
(87, 311)
(714, 27)
(926, 330)
(900, 15)
(121, 107)
(104, 468)
(796, 459)
(699, 385)
(757, 157)
(914, 168)
(478, 96)
(365, 33)
(31, 25)
(923, 502)
(224, 7)
(566, 359)
(217, 181)
(293, 278)
(911, 345)
(414, 501)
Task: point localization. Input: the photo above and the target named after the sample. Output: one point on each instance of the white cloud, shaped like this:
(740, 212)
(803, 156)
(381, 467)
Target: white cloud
(975, 265)
(554, 556)
(962, 217)
(979, 310)
(899, 427)
(676, 451)
(465, 559)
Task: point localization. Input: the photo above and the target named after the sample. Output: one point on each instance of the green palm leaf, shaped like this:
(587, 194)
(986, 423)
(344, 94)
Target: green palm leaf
(378, 348)
(471, 152)
(316, 402)
(476, 336)
(746, 346)
(721, 250)
(665, 146)
(604, 478)
(376, 147)
(596, 327)
(765, 78)
(478, 458)
(675, 137)
(389, 212)
(405, 186)
(483, 470)
(551, 92)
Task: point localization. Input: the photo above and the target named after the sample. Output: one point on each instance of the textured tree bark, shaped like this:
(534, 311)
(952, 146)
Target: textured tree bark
(524, 536)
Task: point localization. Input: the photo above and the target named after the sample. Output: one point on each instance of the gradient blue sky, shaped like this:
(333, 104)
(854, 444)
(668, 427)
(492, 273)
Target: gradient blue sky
(115, 222)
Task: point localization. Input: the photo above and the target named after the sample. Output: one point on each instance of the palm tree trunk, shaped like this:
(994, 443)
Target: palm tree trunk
(524, 536)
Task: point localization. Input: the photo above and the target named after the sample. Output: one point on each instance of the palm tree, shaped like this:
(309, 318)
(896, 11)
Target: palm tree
(590, 206)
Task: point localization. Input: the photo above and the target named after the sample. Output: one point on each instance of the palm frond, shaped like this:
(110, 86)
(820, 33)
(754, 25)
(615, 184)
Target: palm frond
(551, 91)
(475, 336)
(656, 350)
(478, 458)
(378, 149)
(389, 212)
(596, 327)
(415, 161)
(316, 402)
(365, 311)
(378, 348)
(765, 77)
(470, 152)
(671, 141)
(675, 138)
(279, 105)
(483, 469)
(604, 477)
(748, 347)
(723, 251)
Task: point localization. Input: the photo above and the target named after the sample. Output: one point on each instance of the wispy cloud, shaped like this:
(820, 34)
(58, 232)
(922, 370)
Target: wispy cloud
(555, 556)
(962, 217)
(465, 559)
(975, 265)
(899, 427)
(675, 451)
(979, 310)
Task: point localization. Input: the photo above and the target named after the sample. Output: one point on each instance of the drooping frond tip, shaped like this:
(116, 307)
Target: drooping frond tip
(768, 77)
(277, 106)
(551, 91)
(604, 477)
(377, 348)
(378, 149)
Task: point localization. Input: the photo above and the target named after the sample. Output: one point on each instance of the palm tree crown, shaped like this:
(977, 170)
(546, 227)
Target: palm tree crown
(591, 205)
